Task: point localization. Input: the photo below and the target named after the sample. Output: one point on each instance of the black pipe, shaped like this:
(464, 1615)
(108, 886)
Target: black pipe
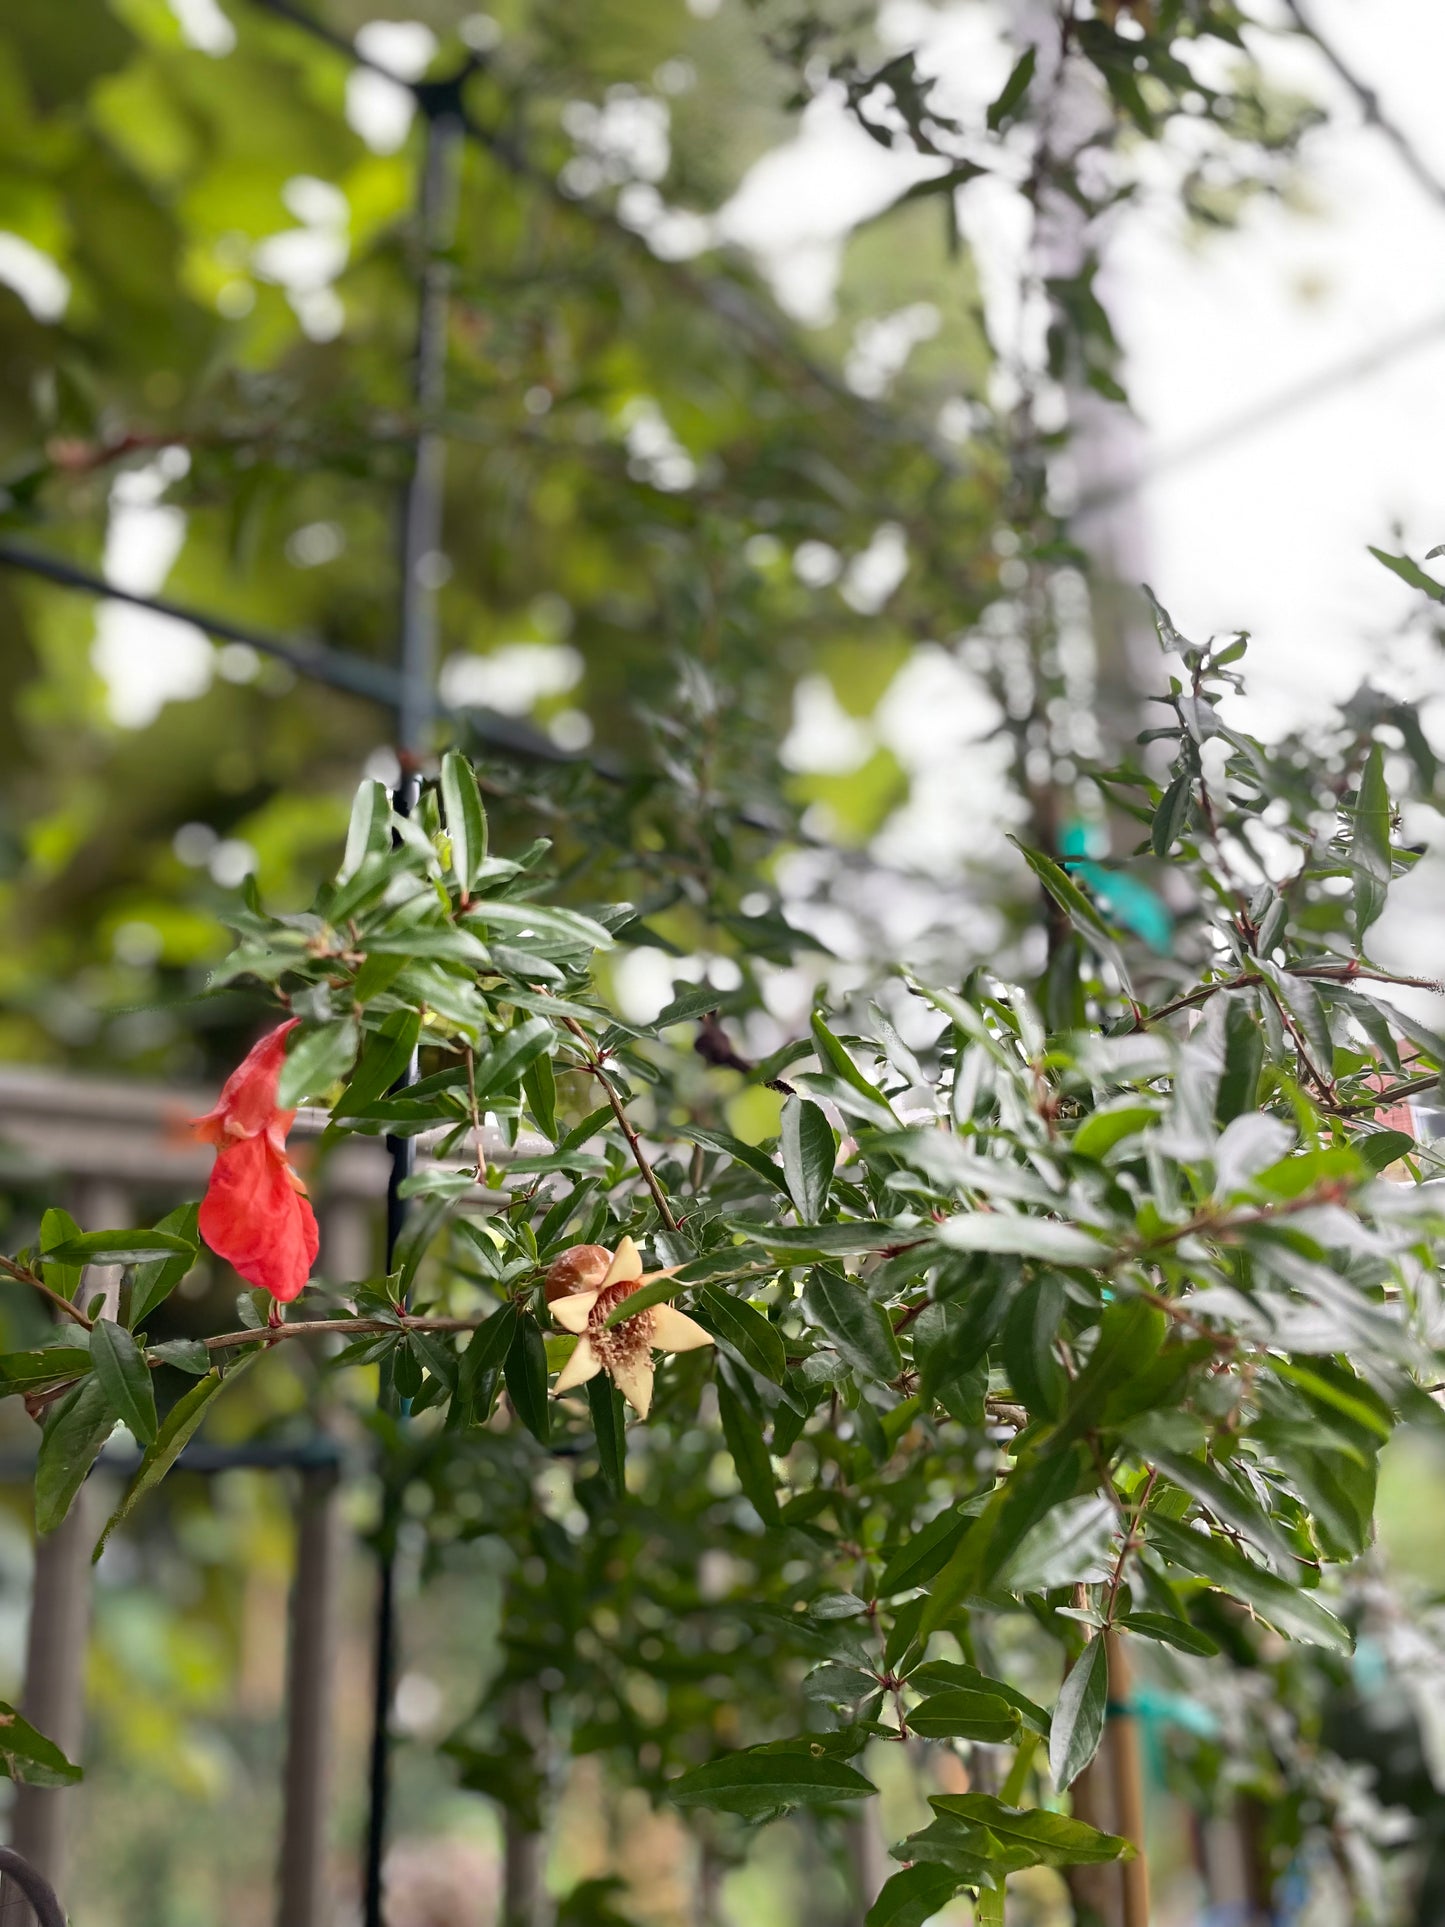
(421, 536)
(36, 1889)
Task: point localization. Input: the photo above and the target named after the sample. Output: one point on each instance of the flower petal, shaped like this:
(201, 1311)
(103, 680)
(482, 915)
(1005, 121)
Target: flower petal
(256, 1216)
(633, 1378)
(674, 1331)
(582, 1365)
(247, 1104)
(571, 1312)
(626, 1264)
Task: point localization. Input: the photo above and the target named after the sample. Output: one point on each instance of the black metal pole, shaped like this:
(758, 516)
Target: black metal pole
(421, 576)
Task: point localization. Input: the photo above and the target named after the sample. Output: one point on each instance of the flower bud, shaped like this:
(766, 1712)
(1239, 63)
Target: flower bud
(579, 1268)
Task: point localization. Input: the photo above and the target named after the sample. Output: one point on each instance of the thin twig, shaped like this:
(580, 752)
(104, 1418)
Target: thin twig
(343, 1327)
(476, 1114)
(1369, 102)
(22, 1275)
(634, 1144)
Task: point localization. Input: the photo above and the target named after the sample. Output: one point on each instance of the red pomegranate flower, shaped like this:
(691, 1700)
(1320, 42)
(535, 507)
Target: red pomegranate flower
(255, 1213)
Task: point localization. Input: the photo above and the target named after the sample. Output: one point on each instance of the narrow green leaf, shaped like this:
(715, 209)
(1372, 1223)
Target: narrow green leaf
(125, 1376)
(744, 1330)
(1026, 1236)
(525, 1370)
(1028, 1345)
(465, 819)
(1370, 844)
(858, 1327)
(1001, 112)
(741, 1153)
(153, 1282)
(176, 1431)
(1410, 572)
(759, 1783)
(942, 1674)
(609, 1422)
(1295, 1612)
(914, 1896)
(958, 1713)
(1078, 1723)
(29, 1757)
(369, 832)
(1046, 1839)
(78, 1426)
(1181, 1633)
(1171, 819)
(502, 1068)
(1243, 1060)
(481, 1361)
(837, 1059)
(749, 1454)
(540, 1088)
(1088, 921)
(317, 1059)
(923, 1553)
(59, 1228)
(385, 1055)
(120, 1247)
(37, 1371)
(810, 1150)
(1013, 1510)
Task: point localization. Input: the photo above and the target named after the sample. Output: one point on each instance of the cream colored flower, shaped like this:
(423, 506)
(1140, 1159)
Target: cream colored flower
(623, 1350)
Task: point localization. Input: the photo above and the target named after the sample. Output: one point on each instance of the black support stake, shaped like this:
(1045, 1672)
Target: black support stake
(421, 577)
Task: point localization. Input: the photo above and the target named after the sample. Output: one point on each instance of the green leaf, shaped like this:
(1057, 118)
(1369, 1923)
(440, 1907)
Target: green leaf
(1243, 1060)
(540, 1087)
(744, 1330)
(1171, 819)
(758, 1784)
(1112, 1124)
(120, 1247)
(36, 1371)
(502, 1068)
(480, 1362)
(29, 1757)
(540, 921)
(369, 832)
(856, 1325)
(317, 1059)
(944, 1673)
(1410, 572)
(1013, 1510)
(958, 1713)
(1078, 1723)
(749, 1454)
(525, 1370)
(741, 1153)
(1370, 844)
(385, 1054)
(185, 1354)
(465, 820)
(1288, 1608)
(59, 1228)
(923, 1553)
(1000, 113)
(1028, 1345)
(1181, 1633)
(913, 1897)
(176, 1431)
(832, 1053)
(1131, 1333)
(1380, 1149)
(812, 1243)
(1027, 1237)
(154, 1282)
(810, 1150)
(1202, 1481)
(1077, 908)
(1046, 1839)
(1302, 1001)
(609, 1422)
(76, 1429)
(125, 1376)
